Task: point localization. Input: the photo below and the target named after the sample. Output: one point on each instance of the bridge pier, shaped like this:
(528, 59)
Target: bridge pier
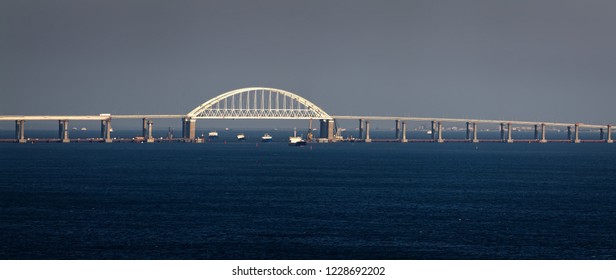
(20, 130)
(188, 129)
(63, 131)
(609, 135)
(601, 134)
(569, 136)
(502, 131)
(577, 134)
(106, 130)
(440, 133)
(468, 131)
(543, 139)
(397, 129)
(330, 130)
(360, 135)
(144, 127)
(403, 140)
(327, 130)
(433, 131)
(509, 133)
(536, 133)
(367, 140)
(147, 134)
(475, 139)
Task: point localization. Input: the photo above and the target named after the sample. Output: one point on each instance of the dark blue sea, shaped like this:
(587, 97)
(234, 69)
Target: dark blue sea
(251, 200)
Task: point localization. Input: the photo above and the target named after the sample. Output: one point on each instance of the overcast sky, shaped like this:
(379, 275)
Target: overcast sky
(550, 60)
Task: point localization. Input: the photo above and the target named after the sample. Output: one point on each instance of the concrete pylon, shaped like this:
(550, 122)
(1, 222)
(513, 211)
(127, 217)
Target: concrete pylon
(103, 129)
(63, 131)
(569, 136)
(601, 134)
(189, 126)
(609, 135)
(502, 131)
(367, 140)
(144, 129)
(330, 130)
(360, 134)
(509, 133)
(536, 132)
(468, 131)
(577, 134)
(475, 139)
(403, 140)
(440, 133)
(148, 136)
(107, 131)
(327, 130)
(433, 131)
(543, 139)
(397, 129)
(20, 130)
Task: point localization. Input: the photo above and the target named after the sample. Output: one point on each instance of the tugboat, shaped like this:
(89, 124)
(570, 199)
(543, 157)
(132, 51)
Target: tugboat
(266, 138)
(212, 135)
(296, 140)
(241, 137)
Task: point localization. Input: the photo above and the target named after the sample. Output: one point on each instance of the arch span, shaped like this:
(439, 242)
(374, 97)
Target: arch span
(258, 103)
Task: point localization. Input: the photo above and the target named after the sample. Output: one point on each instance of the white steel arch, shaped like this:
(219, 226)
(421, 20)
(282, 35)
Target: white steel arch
(258, 103)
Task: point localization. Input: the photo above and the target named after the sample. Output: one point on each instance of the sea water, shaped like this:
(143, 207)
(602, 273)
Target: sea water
(252, 200)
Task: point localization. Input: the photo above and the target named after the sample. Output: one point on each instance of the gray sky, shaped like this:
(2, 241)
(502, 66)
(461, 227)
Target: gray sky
(550, 60)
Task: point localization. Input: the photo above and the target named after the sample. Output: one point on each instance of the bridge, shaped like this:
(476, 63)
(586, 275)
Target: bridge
(271, 103)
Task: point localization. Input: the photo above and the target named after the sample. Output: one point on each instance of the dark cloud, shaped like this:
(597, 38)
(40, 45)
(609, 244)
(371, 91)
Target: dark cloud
(544, 60)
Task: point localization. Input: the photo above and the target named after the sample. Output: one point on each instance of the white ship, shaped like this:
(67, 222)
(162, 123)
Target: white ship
(212, 135)
(266, 138)
(241, 137)
(296, 140)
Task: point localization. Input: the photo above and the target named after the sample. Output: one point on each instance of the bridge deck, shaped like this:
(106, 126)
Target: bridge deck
(371, 118)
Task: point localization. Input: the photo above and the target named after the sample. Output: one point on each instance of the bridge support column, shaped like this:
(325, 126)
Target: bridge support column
(577, 134)
(601, 134)
(468, 131)
(144, 128)
(433, 131)
(609, 135)
(63, 131)
(367, 140)
(502, 131)
(440, 133)
(20, 130)
(106, 130)
(403, 140)
(360, 135)
(327, 130)
(536, 133)
(569, 136)
(188, 129)
(475, 139)
(397, 129)
(509, 133)
(148, 133)
(330, 130)
(543, 139)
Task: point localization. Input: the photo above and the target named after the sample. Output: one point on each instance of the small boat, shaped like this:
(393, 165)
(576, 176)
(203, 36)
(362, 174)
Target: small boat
(212, 135)
(241, 137)
(429, 132)
(84, 129)
(296, 140)
(266, 138)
